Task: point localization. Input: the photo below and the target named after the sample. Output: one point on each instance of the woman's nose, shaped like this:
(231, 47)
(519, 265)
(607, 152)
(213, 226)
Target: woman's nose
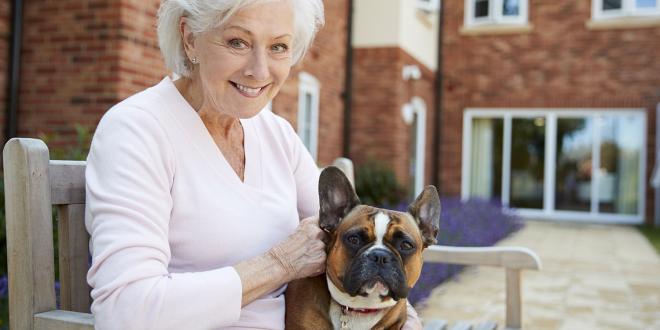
(257, 67)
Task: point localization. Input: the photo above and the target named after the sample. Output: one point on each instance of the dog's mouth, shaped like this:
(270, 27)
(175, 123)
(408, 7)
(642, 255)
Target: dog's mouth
(367, 280)
(375, 286)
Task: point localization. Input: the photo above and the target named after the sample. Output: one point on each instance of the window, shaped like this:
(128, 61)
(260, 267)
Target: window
(414, 113)
(604, 9)
(308, 111)
(478, 12)
(428, 5)
(558, 164)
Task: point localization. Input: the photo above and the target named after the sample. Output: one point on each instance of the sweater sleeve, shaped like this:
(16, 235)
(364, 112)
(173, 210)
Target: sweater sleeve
(130, 170)
(305, 171)
(307, 182)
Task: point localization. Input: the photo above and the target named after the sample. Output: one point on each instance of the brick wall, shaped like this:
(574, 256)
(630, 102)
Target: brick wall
(325, 61)
(69, 65)
(378, 129)
(80, 58)
(140, 63)
(5, 40)
(559, 64)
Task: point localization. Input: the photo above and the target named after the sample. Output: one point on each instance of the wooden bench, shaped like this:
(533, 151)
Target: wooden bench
(34, 184)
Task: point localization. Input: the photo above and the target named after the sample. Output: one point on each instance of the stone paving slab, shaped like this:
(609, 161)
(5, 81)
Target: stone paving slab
(592, 277)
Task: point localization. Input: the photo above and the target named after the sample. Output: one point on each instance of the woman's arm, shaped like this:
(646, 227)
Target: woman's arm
(301, 255)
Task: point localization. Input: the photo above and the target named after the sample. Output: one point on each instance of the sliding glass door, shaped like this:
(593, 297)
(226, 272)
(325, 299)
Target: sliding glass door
(486, 155)
(619, 169)
(573, 168)
(558, 164)
(527, 162)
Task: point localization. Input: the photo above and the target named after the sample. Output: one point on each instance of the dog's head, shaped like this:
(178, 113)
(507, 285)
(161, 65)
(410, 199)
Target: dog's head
(374, 254)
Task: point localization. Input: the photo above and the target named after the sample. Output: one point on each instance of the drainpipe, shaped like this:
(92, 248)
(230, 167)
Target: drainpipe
(655, 179)
(438, 102)
(348, 82)
(14, 70)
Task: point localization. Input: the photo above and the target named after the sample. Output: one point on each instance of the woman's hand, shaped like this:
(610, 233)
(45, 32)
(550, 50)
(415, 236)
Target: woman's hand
(303, 253)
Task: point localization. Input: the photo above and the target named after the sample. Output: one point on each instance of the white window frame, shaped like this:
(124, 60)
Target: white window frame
(551, 115)
(417, 106)
(628, 9)
(495, 16)
(428, 5)
(308, 84)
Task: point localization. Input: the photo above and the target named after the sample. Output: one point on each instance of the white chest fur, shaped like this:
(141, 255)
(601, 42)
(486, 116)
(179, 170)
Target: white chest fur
(353, 320)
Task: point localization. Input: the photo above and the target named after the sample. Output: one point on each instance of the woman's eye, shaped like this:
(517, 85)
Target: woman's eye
(280, 48)
(237, 43)
(353, 239)
(406, 246)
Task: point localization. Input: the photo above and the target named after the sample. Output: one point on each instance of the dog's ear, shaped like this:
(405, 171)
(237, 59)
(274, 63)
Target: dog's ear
(336, 196)
(426, 211)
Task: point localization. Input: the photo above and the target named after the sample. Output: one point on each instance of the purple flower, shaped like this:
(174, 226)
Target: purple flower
(475, 222)
(4, 286)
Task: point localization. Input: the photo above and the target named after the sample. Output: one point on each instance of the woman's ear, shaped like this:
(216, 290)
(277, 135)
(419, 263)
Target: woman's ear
(187, 38)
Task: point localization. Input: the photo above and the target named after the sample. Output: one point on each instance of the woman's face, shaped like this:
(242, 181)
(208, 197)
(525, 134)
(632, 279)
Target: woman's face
(242, 65)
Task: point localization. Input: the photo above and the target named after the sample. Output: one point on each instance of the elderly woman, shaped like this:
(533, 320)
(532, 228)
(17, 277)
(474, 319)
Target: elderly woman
(194, 194)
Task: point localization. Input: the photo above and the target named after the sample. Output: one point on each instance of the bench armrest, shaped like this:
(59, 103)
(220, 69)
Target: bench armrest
(513, 259)
(63, 320)
(507, 257)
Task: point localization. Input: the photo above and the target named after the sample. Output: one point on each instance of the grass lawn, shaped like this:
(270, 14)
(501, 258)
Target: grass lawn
(653, 235)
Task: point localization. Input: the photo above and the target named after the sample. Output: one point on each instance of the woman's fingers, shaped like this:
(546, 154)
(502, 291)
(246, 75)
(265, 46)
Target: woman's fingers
(304, 250)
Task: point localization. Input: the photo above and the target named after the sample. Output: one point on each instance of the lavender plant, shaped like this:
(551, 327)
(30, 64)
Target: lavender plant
(475, 222)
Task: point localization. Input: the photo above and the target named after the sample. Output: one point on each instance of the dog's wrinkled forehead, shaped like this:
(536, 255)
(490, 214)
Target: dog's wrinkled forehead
(379, 222)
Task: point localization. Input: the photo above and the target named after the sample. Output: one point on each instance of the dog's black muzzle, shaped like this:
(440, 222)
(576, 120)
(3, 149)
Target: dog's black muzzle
(379, 264)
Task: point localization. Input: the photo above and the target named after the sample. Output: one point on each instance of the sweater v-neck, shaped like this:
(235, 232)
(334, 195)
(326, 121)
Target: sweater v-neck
(200, 137)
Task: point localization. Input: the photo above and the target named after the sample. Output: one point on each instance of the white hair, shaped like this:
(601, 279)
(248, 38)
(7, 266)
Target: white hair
(204, 15)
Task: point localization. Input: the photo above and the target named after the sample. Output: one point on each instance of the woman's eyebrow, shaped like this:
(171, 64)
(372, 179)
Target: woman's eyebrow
(239, 28)
(250, 32)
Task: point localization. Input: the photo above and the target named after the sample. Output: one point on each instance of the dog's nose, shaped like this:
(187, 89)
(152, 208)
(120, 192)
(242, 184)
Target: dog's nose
(380, 256)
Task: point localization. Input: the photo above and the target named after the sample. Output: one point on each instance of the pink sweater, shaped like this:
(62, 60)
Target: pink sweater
(168, 216)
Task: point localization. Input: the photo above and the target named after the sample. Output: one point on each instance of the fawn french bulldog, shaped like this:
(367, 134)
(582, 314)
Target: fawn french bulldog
(374, 257)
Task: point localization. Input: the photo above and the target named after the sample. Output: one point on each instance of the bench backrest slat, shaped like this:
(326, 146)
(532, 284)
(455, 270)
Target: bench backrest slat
(29, 231)
(67, 182)
(73, 258)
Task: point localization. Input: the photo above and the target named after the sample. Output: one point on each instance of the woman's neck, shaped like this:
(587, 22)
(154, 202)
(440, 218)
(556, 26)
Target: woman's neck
(216, 121)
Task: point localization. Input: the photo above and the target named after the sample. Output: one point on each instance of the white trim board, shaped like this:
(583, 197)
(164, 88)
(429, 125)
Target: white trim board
(309, 85)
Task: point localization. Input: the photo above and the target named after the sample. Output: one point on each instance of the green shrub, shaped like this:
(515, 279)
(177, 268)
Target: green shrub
(376, 184)
(77, 151)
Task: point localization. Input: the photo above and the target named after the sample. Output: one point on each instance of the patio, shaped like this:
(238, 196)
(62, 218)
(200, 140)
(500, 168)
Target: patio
(593, 277)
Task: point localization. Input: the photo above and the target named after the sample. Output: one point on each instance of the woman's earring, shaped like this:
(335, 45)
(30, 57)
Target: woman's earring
(194, 60)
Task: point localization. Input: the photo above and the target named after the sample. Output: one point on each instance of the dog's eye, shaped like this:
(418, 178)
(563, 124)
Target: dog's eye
(405, 245)
(353, 239)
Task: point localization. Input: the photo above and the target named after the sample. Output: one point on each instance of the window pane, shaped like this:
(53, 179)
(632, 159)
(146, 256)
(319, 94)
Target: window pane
(646, 4)
(620, 152)
(511, 7)
(527, 162)
(413, 155)
(481, 8)
(307, 131)
(574, 156)
(486, 158)
(612, 4)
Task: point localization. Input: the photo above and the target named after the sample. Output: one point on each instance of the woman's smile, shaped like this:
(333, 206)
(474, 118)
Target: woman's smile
(247, 91)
